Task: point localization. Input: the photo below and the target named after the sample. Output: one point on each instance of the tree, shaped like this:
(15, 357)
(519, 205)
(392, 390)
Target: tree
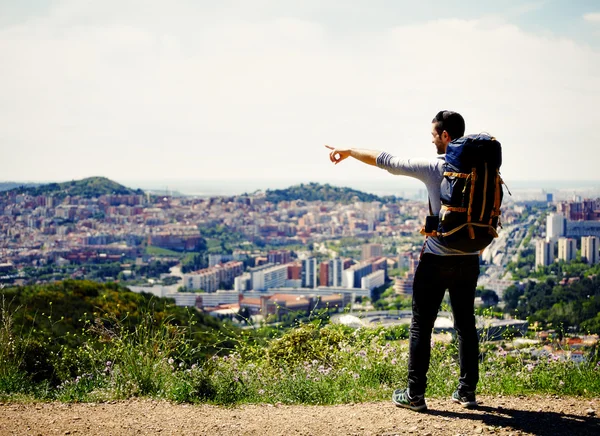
(511, 297)
(489, 298)
(194, 262)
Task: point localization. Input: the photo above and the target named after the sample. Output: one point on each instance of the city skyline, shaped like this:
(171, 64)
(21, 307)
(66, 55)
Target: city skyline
(252, 91)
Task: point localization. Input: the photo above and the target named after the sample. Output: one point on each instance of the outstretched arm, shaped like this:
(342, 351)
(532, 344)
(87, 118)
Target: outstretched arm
(367, 156)
(428, 171)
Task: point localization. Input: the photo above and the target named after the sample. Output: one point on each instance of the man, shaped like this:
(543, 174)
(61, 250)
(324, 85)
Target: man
(440, 268)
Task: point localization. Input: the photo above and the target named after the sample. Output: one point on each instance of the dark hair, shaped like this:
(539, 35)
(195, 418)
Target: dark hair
(451, 122)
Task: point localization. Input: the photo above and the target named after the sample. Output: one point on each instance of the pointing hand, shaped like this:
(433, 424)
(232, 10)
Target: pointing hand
(338, 154)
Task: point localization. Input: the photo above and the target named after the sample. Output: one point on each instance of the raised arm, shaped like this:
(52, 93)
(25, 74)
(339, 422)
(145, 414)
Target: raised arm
(367, 156)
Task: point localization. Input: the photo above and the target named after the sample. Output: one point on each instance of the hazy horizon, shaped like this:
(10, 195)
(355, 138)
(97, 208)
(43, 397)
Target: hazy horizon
(399, 186)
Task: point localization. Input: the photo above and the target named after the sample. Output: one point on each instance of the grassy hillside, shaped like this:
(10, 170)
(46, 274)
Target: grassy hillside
(55, 332)
(318, 192)
(81, 341)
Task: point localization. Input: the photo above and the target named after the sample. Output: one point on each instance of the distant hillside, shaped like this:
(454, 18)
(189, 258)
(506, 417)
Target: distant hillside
(89, 188)
(7, 186)
(318, 192)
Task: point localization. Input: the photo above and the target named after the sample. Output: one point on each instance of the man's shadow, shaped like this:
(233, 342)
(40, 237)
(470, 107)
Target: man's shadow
(539, 423)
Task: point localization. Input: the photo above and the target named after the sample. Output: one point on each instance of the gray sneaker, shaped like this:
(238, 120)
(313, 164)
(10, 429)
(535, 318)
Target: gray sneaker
(465, 399)
(401, 399)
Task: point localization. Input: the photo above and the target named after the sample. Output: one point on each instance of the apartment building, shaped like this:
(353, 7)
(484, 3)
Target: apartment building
(556, 226)
(589, 249)
(309, 273)
(273, 276)
(373, 280)
(352, 277)
(567, 249)
(371, 250)
(211, 279)
(544, 253)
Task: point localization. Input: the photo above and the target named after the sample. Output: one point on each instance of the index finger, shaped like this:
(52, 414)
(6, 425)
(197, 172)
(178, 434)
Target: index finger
(331, 148)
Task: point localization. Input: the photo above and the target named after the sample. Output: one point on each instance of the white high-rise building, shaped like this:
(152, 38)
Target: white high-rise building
(373, 280)
(589, 249)
(275, 277)
(336, 266)
(556, 226)
(567, 249)
(544, 253)
(243, 283)
(309, 273)
(271, 277)
(348, 278)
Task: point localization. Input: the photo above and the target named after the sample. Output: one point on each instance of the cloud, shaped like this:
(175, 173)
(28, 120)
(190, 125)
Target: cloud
(592, 17)
(528, 7)
(157, 93)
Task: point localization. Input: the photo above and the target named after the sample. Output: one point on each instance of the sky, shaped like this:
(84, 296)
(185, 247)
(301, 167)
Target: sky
(253, 89)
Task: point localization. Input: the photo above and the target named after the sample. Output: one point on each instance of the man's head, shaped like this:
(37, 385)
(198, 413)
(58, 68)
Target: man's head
(445, 127)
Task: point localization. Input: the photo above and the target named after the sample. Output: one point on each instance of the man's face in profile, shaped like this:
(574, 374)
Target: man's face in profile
(438, 140)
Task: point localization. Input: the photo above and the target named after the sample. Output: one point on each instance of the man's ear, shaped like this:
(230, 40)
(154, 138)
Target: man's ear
(445, 137)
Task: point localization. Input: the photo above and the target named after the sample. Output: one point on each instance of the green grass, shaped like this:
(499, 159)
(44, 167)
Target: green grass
(310, 364)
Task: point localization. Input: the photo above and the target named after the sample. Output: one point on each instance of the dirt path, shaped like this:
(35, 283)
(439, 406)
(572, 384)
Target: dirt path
(496, 415)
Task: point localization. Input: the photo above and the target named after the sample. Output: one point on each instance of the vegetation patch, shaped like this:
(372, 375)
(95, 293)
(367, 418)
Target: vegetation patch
(83, 341)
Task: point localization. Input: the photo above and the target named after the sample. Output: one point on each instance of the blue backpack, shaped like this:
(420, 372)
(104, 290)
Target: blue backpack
(471, 193)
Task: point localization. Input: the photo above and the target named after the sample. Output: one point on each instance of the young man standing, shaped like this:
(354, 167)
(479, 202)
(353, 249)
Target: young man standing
(440, 268)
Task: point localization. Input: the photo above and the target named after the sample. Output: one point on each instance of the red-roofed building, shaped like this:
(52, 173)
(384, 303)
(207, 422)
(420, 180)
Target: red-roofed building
(279, 304)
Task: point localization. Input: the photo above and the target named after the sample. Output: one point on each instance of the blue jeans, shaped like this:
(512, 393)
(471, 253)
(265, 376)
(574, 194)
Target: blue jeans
(435, 274)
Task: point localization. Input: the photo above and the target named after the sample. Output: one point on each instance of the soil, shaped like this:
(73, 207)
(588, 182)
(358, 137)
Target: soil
(537, 415)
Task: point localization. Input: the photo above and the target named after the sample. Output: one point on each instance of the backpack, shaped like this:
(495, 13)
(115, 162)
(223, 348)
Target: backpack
(471, 193)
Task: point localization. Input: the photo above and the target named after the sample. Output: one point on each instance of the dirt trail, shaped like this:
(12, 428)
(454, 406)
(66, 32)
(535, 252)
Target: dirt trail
(538, 415)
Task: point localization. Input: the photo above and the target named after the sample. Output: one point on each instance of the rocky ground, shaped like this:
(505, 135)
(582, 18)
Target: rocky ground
(537, 415)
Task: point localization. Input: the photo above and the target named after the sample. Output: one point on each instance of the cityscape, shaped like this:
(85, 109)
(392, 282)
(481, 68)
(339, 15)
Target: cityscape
(248, 217)
(265, 256)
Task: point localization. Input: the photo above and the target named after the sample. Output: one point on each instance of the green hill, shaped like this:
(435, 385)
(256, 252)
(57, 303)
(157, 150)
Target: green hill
(50, 322)
(318, 192)
(90, 187)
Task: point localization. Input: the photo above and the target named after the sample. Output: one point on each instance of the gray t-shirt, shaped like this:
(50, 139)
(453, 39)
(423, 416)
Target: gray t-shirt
(430, 172)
